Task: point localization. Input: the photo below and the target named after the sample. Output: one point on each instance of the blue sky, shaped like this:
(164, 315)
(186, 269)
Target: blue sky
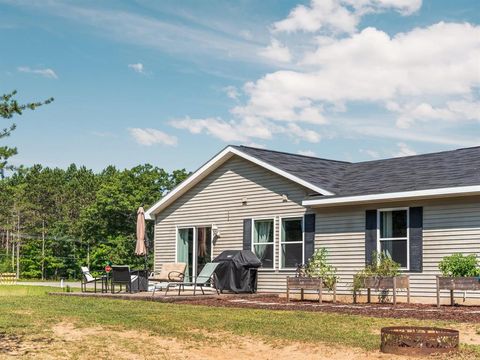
(171, 83)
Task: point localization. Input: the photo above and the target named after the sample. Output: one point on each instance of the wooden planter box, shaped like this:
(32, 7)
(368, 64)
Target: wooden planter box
(456, 283)
(308, 283)
(385, 283)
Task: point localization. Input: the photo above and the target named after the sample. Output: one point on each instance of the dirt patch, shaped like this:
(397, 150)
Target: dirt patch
(86, 343)
(17, 346)
(70, 341)
(469, 314)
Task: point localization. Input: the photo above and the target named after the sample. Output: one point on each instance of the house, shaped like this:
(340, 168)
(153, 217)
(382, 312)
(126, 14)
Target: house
(283, 206)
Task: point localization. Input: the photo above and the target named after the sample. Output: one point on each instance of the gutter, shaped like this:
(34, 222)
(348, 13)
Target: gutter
(327, 201)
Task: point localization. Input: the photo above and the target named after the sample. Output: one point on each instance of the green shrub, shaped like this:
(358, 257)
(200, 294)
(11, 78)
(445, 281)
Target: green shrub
(459, 265)
(318, 266)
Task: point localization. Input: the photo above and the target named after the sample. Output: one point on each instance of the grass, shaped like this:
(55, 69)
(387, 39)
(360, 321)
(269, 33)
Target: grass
(29, 310)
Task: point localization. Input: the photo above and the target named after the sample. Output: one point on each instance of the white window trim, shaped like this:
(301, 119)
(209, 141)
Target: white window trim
(273, 243)
(194, 227)
(393, 239)
(280, 231)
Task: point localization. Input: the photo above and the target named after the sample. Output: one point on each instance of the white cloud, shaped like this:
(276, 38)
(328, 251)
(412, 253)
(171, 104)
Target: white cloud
(404, 150)
(232, 92)
(339, 16)
(276, 52)
(175, 37)
(436, 62)
(138, 68)
(306, 152)
(453, 111)
(244, 130)
(47, 72)
(150, 137)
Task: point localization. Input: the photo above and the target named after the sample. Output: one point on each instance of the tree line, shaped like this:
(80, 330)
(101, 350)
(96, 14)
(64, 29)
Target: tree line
(52, 220)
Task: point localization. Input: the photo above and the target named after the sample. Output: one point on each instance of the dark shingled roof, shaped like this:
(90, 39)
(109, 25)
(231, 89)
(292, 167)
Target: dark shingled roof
(420, 172)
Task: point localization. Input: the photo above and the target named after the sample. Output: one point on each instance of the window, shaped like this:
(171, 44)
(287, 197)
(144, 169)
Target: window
(291, 243)
(263, 245)
(393, 235)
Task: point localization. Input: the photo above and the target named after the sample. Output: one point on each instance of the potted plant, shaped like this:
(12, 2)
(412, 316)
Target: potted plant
(459, 272)
(383, 274)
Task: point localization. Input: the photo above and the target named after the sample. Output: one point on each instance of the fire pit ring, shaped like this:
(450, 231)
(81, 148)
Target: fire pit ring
(415, 340)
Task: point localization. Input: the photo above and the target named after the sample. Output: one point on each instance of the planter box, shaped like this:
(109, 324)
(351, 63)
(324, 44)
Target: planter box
(385, 283)
(456, 283)
(308, 283)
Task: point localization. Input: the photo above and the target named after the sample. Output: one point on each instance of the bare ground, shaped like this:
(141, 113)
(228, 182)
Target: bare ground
(71, 342)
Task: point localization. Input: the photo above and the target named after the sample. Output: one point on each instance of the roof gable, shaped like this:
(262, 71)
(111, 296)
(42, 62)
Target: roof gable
(213, 164)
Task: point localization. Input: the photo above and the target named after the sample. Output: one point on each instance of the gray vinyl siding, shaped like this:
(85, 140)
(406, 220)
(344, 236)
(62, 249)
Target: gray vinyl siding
(450, 225)
(217, 199)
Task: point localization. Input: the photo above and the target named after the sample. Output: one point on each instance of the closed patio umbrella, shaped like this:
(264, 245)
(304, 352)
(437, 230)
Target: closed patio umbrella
(140, 248)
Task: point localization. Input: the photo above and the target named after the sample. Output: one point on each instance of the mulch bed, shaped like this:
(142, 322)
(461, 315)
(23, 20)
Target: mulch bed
(461, 313)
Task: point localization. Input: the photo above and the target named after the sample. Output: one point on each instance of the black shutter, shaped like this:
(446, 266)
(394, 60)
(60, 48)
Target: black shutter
(370, 235)
(247, 234)
(309, 228)
(416, 239)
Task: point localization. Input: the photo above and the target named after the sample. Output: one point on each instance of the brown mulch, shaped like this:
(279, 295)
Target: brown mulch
(460, 313)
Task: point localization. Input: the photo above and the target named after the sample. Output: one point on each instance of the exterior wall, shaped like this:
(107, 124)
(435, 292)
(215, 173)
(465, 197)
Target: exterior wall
(217, 199)
(450, 225)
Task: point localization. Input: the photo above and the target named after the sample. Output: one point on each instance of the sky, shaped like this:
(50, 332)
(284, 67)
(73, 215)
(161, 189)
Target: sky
(172, 83)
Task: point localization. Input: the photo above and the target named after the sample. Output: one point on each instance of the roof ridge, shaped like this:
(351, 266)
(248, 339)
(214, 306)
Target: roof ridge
(291, 154)
(417, 155)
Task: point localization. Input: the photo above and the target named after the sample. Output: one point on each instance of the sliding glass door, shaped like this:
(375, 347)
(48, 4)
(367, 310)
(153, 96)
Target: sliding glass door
(194, 247)
(185, 247)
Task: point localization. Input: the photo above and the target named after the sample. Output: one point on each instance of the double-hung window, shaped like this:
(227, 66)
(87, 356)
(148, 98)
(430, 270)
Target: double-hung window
(291, 243)
(393, 235)
(263, 241)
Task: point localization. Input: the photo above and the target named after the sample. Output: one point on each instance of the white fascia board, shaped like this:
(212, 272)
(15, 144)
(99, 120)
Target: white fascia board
(211, 165)
(388, 197)
(188, 183)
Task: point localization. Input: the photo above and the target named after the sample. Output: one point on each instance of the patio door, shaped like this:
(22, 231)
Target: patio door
(194, 247)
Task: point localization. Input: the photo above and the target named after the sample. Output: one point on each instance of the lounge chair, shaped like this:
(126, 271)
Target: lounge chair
(203, 279)
(170, 273)
(88, 278)
(121, 275)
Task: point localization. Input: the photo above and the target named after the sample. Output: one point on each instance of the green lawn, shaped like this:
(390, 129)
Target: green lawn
(28, 310)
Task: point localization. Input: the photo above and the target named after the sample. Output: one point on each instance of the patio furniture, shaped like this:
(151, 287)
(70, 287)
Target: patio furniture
(121, 275)
(203, 279)
(141, 282)
(307, 283)
(170, 273)
(88, 278)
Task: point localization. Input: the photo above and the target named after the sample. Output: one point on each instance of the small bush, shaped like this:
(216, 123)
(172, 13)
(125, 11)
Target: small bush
(459, 265)
(318, 266)
(383, 265)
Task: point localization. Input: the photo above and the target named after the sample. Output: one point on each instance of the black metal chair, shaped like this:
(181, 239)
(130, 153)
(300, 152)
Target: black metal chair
(121, 275)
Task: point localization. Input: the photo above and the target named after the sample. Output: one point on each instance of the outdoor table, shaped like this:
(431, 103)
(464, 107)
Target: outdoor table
(105, 279)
